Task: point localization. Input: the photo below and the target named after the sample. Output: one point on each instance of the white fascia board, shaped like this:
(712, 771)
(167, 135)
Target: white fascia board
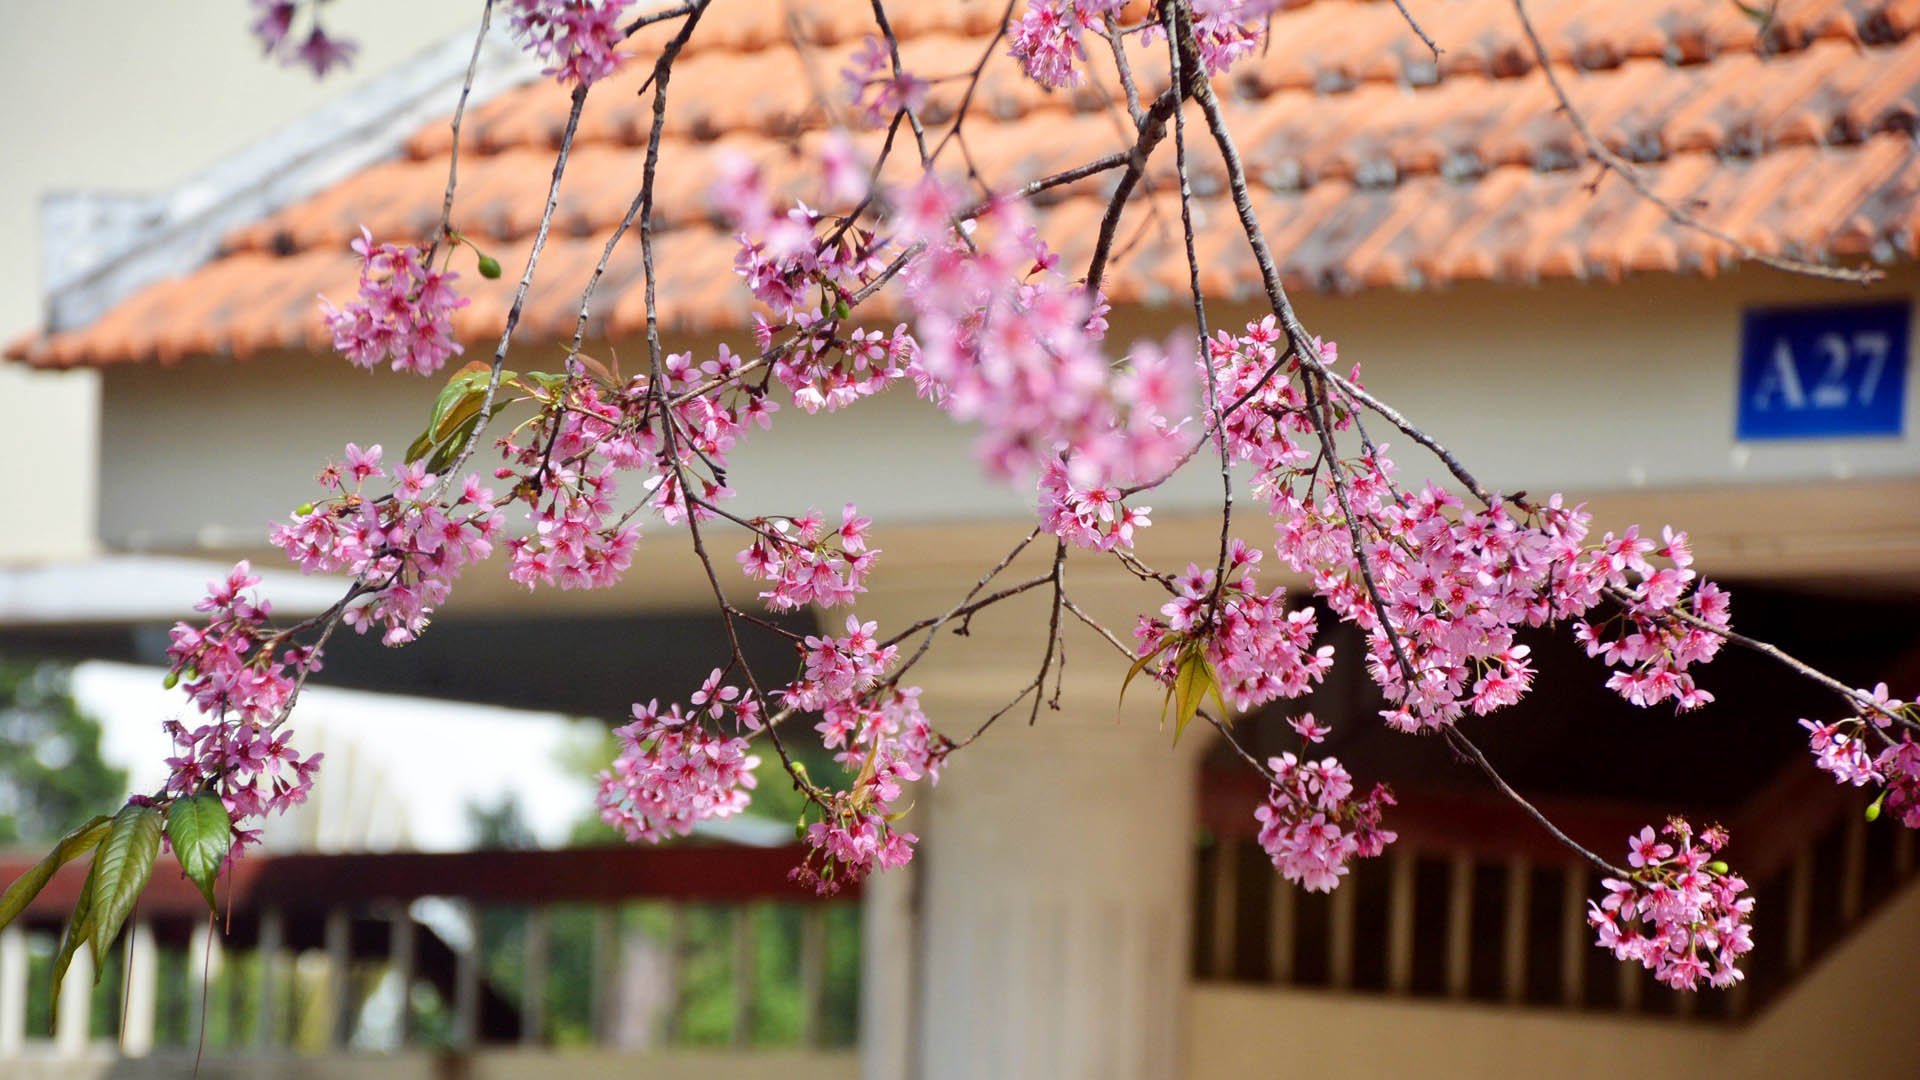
(142, 588)
(98, 248)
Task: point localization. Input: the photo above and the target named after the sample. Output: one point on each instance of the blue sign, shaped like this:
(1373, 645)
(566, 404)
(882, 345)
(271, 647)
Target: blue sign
(1823, 372)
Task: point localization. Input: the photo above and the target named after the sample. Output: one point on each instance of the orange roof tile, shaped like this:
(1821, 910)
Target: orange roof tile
(1375, 165)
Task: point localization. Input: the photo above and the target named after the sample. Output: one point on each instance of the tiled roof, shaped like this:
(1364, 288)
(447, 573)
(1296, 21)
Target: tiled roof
(1375, 165)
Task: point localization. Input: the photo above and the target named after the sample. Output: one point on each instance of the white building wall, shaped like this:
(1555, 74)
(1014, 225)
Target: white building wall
(131, 97)
(1579, 388)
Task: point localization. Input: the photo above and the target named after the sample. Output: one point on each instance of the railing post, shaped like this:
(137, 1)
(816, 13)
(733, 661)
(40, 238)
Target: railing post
(400, 944)
(1284, 929)
(1799, 908)
(267, 1015)
(202, 965)
(1853, 867)
(1226, 895)
(13, 991)
(143, 981)
(338, 941)
(466, 981)
(1514, 956)
(1400, 886)
(1631, 979)
(76, 1006)
(600, 1001)
(1573, 936)
(1459, 924)
(676, 980)
(1340, 936)
(813, 972)
(533, 991)
(744, 941)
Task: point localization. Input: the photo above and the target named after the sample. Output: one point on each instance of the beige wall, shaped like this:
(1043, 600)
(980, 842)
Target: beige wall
(1849, 1017)
(117, 95)
(1580, 388)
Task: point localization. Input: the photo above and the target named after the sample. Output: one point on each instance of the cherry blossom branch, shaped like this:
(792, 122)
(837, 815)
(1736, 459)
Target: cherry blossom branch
(459, 113)
(1302, 344)
(893, 55)
(1860, 701)
(1414, 25)
(973, 81)
(1153, 128)
(662, 15)
(1466, 747)
(662, 74)
(1180, 63)
(1610, 161)
(579, 101)
(1037, 686)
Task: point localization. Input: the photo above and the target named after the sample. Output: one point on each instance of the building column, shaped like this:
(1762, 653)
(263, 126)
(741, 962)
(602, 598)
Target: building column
(1056, 915)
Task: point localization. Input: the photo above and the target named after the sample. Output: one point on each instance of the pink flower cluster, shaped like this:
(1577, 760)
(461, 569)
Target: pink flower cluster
(566, 466)
(1843, 749)
(808, 564)
(404, 312)
(672, 772)
(578, 39)
(1651, 645)
(1457, 583)
(1048, 38)
(874, 90)
(1088, 517)
(1260, 650)
(403, 549)
(855, 836)
(273, 29)
(888, 718)
(1009, 342)
(1311, 825)
(1271, 421)
(576, 542)
(885, 739)
(839, 669)
(1679, 912)
(239, 682)
(804, 277)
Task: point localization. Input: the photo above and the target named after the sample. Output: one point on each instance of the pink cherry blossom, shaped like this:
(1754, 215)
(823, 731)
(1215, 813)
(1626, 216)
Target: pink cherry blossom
(1679, 913)
(403, 313)
(578, 39)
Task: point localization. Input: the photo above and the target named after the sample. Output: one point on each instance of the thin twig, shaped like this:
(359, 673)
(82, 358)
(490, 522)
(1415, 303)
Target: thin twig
(1679, 215)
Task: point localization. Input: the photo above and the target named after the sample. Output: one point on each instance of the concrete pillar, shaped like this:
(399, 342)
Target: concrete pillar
(1053, 876)
(1057, 903)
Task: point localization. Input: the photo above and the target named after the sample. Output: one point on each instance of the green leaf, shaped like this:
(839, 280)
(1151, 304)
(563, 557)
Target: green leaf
(1139, 666)
(459, 402)
(541, 384)
(201, 834)
(78, 928)
(1194, 681)
(120, 872)
(450, 449)
(1189, 691)
(28, 885)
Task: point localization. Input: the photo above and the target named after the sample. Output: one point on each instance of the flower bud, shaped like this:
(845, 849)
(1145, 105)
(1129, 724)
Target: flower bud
(1718, 866)
(172, 680)
(303, 509)
(489, 267)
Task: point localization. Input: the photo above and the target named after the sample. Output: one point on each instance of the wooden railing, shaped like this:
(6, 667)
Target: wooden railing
(1475, 902)
(616, 947)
